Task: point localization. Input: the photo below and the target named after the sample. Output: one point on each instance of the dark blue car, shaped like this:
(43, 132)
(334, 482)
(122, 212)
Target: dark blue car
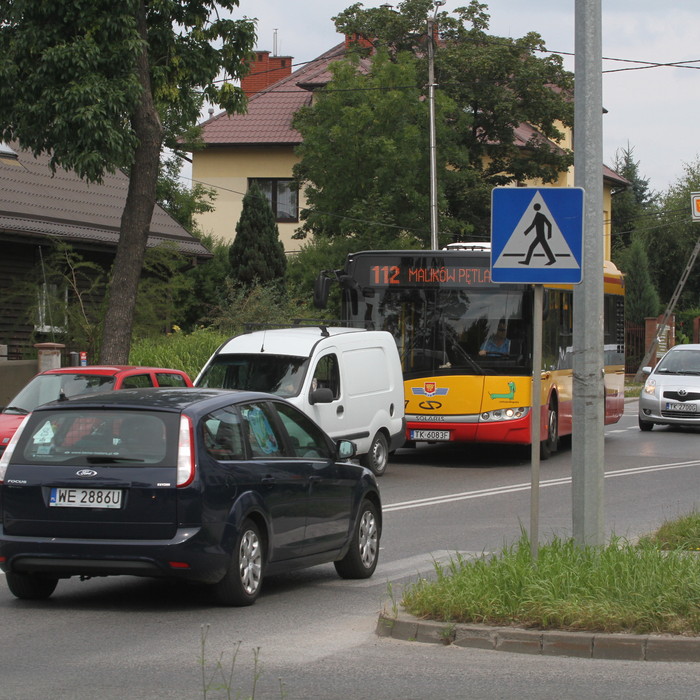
(218, 487)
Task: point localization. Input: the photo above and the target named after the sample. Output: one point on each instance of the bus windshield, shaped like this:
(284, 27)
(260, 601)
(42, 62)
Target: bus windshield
(442, 330)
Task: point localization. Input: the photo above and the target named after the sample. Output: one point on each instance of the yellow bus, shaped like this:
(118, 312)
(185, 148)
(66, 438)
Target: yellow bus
(466, 343)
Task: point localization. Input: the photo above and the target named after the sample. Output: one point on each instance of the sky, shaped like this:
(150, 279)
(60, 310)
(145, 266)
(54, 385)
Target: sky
(651, 111)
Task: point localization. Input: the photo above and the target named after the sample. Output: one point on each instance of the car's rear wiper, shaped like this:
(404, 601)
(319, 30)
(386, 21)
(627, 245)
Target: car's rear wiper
(104, 459)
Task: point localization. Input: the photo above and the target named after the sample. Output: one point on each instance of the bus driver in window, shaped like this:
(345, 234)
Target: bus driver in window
(497, 343)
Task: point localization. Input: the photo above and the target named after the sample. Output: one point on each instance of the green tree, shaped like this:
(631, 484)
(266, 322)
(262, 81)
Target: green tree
(208, 285)
(182, 202)
(488, 87)
(671, 239)
(257, 254)
(364, 157)
(102, 86)
(641, 298)
(632, 205)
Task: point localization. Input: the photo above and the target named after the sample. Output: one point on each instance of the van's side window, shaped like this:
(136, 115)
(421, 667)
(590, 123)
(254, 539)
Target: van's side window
(327, 375)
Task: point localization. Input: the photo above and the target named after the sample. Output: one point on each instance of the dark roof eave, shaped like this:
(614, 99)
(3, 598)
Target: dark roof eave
(109, 238)
(257, 144)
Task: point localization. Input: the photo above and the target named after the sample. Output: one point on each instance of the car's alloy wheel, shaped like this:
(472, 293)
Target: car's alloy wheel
(363, 554)
(242, 582)
(250, 562)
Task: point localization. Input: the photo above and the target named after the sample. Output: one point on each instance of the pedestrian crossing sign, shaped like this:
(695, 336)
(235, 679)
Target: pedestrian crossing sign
(537, 235)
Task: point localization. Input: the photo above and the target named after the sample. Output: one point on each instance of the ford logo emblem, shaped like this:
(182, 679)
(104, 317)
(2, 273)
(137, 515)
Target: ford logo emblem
(86, 472)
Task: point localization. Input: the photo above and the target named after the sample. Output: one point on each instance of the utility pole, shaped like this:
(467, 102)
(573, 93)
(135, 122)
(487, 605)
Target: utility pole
(588, 384)
(433, 145)
(669, 310)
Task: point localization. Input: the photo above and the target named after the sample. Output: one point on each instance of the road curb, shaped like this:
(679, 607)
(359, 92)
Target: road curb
(587, 645)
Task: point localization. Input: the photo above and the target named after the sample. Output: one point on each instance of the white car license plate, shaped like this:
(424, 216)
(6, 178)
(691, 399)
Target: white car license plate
(86, 498)
(430, 435)
(682, 407)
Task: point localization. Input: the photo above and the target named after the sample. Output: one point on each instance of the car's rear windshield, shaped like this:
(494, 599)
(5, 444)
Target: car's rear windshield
(102, 437)
(50, 387)
(276, 374)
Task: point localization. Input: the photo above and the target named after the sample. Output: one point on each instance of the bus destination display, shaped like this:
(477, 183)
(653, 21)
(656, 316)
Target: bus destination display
(420, 272)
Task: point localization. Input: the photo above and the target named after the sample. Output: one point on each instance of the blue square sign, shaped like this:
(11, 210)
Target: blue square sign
(537, 235)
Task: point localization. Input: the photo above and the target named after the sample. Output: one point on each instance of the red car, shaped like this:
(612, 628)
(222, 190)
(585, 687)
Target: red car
(65, 382)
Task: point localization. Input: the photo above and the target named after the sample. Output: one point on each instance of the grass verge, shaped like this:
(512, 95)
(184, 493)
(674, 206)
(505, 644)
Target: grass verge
(623, 587)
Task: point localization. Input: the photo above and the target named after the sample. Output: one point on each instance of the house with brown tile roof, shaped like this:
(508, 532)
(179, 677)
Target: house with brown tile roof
(259, 145)
(38, 208)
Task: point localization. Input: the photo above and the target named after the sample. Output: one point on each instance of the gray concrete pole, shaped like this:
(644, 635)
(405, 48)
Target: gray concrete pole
(588, 386)
(433, 145)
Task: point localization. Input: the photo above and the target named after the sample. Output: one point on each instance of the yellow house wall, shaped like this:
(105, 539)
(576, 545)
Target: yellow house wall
(227, 170)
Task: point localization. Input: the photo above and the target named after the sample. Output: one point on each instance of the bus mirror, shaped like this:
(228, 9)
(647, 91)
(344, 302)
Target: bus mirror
(321, 288)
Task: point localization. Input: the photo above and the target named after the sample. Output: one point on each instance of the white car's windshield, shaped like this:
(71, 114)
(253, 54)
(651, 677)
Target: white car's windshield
(277, 374)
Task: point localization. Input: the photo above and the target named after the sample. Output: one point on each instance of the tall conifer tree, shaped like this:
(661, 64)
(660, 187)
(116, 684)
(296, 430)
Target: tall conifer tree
(257, 254)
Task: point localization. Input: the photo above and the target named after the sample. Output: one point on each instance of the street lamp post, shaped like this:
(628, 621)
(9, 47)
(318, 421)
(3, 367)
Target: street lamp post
(433, 145)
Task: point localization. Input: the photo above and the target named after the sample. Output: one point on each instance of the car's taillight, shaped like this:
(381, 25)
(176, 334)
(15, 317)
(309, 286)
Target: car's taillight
(5, 458)
(185, 453)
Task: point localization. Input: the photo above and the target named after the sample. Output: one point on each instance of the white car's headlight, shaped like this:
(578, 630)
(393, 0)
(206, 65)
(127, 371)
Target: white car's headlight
(650, 387)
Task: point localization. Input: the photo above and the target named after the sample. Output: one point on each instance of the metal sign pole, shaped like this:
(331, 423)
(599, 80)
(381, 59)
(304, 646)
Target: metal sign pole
(536, 419)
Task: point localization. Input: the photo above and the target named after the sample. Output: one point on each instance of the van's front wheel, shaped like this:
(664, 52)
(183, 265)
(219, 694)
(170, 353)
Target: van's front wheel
(377, 459)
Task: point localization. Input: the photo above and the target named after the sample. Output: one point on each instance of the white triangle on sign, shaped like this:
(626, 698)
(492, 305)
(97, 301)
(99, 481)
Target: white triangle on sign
(533, 244)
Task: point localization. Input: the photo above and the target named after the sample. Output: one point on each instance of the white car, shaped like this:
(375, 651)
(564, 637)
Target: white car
(671, 393)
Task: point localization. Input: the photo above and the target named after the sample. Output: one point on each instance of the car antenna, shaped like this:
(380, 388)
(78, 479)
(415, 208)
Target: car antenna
(262, 343)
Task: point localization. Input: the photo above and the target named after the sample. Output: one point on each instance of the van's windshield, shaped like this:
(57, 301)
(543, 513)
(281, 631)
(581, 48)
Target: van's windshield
(276, 374)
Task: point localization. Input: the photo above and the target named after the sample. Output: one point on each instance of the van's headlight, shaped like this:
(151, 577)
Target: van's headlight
(505, 414)
(650, 387)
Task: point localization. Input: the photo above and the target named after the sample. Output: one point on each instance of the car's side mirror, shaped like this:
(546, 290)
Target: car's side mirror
(322, 395)
(346, 449)
(646, 370)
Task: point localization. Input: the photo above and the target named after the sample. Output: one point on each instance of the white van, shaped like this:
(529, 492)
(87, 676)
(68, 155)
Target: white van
(348, 380)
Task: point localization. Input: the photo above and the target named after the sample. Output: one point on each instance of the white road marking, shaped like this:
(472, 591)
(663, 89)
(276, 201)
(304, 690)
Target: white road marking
(515, 488)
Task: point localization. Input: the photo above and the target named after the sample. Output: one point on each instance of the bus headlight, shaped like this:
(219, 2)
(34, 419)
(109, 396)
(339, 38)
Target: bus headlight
(500, 414)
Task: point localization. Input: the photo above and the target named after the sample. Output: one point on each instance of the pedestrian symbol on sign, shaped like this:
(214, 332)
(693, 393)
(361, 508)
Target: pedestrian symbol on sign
(539, 223)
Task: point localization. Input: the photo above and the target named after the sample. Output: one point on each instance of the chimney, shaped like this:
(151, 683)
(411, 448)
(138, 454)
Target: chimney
(264, 71)
(359, 40)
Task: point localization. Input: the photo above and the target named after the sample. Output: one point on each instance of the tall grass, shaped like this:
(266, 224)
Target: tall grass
(184, 351)
(682, 533)
(618, 588)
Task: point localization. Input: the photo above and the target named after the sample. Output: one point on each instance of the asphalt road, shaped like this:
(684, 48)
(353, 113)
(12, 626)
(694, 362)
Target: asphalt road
(313, 633)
